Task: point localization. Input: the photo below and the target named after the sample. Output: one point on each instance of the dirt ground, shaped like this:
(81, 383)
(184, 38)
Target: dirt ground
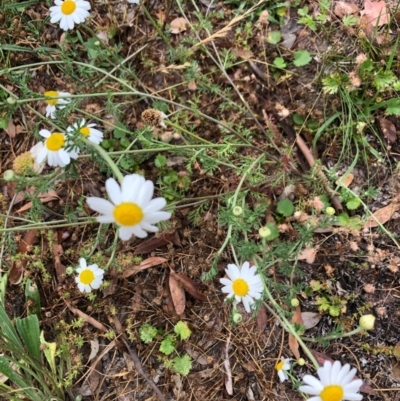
(360, 266)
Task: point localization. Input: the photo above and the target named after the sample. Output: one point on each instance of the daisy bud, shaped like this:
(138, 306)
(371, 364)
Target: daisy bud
(9, 175)
(295, 302)
(330, 211)
(301, 362)
(237, 211)
(264, 232)
(11, 100)
(237, 317)
(367, 322)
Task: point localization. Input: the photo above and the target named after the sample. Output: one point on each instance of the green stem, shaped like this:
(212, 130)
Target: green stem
(334, 336)
(107, 159)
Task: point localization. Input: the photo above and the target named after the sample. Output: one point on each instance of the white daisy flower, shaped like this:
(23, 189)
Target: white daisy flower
(87, 131)
(335, 383)
(53, 99)
(131, 206)
(53, 149)
(89, 277)
(69, 12)
(244, 284)
(282, 367)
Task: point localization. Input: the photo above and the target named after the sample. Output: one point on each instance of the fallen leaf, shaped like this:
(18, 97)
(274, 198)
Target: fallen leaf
(94, 348)
(345, 180)
(178, 25)
(310, 319)
(177, 294)
(242, 53)
(308, 254)
(157, 242)
(342, 8)
(262, 318)
(388, 130)
(59, 267)
(10, 129)
(149, 262)
(382, 215)
(293, 344)
(376, 13)
(192, 85)
(189, 285)
(91, 320)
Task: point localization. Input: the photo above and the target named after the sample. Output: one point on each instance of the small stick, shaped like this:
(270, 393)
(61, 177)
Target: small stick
(136, 360)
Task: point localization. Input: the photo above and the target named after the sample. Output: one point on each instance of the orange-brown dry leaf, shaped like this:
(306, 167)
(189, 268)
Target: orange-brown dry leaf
(293, 344)
(177, 294)
(44, 198)
(262, 318)
(329, 270)
(308, 254)
(388, 130)
(149, 262)
(13, 130)
(345, 181)
(178, 25)
(190, 286)
(342, 8)
(375, 13)
(382, 215)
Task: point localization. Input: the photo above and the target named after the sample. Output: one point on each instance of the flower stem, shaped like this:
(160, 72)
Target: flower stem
(107, 159)
(335, 336)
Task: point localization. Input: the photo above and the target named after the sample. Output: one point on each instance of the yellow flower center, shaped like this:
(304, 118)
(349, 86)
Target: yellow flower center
(68, 7)
(128, 214)
(332, 393)
(50, 95)
(240, 287)
(85, 131)
(55, 141)
(86, 277)
(279, 366)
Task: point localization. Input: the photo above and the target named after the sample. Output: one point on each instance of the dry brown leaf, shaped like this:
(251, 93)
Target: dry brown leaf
(345, 180)
(149, 262)
(192, 85)
(262, 318)
(44, 198)
(388, 130)
(375, 13)
(177, 294)
(178, 25)
(10, 129)
(310, 319)
(342, 8)
(308, 254)
(227, 365)
(243, 53)
(189, 285)
(157, 242)
(95, 323)
(293, 344)
(382, 215)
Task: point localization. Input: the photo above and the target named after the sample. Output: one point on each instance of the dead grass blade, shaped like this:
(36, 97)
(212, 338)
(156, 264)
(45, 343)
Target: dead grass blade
(95, 323)
(227, 366)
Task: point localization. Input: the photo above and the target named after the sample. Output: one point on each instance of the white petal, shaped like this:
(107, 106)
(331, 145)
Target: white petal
(125, 233)
(64, 157)
(44, 133)
(245, 268)
(154, 205)
(225, 281)
(82, 262)
(246, 304)
(145, 194)
(156, 217)
(343, 373)
(114, 191)
(309, 390)
(314, 382)
(138, 232)
(100, 205)
(353, 397)
(105, 219)
(42, 155)
(128, 188)
(148, 227)
(349, 377)
(233, 272)
(81, 287)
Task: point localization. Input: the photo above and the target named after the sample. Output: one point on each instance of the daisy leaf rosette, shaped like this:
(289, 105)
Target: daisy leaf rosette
(55, 99)
(89, 277)
(69, 13)
(86, 130)
(282, 367)
(335, 383)
(53, 149)
(130, 206)
(243, 284)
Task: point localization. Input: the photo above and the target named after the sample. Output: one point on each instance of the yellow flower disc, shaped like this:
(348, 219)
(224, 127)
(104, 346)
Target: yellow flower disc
(51, 94)
(86, 277)
(128, 214)
(85, 131)
(332, 393)
(55, 141)
(68, 7)
(240, 287)
(279, 366)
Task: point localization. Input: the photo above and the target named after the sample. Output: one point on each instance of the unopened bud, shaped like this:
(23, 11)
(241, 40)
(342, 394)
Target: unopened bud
(9, 175)
(367, 322)
(264, 232)
(301, 362)
(237, 317)
(11, 100)
(330, 211)
(237, 211)
(295, 302)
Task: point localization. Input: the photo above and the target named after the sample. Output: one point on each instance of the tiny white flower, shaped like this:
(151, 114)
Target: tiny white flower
(69, 12)
(87, 130)
(53, 149)
(335, 383)
(244, 284)
(89, 277)
(282, 367)
(131, 206)
(53, 99)
(134, 1)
